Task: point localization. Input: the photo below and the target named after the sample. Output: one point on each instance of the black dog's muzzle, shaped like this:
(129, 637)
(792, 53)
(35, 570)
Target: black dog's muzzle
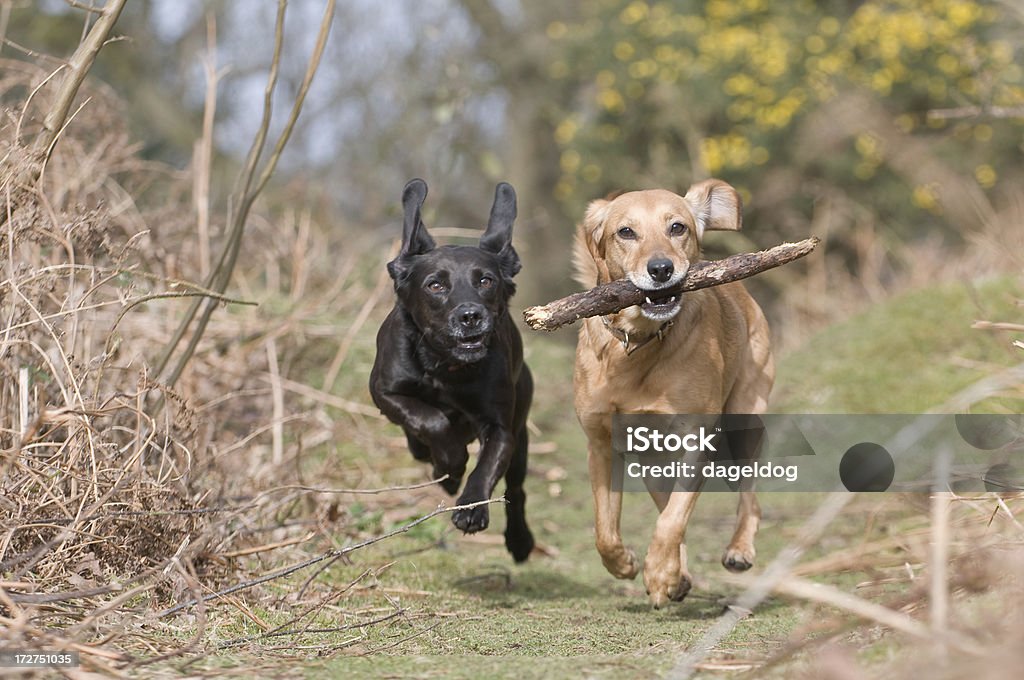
(469, 324)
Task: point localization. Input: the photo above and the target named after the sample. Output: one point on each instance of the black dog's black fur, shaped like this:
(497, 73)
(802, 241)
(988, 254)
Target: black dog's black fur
(449, 366)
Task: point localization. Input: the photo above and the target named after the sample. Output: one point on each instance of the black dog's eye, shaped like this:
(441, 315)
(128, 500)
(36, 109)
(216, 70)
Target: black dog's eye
(677, 229)
(486, 282)
(436, 287)
(626, 233)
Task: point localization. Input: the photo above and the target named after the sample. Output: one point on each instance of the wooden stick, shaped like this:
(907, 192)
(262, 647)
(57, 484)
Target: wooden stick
(608, 298)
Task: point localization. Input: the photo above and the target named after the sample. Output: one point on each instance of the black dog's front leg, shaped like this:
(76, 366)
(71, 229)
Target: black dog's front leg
(497, 444)
(430, 435)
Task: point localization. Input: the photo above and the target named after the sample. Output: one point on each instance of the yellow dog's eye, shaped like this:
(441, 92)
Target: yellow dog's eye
(677, 229)
(626, 233)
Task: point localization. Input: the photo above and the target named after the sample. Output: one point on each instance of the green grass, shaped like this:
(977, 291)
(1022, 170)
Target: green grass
(469, 612)
(908, 355)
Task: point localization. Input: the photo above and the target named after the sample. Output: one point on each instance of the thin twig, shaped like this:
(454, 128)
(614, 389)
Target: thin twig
(277, 394)
(268, 547)
(938, 584)
(303, 631)
(287, 571)
(830, 595)
(386, 489)
(329, 399)
(402, 640)
(204, 148)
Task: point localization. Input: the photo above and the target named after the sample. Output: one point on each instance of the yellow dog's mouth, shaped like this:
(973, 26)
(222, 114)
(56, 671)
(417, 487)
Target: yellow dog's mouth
(660, 305)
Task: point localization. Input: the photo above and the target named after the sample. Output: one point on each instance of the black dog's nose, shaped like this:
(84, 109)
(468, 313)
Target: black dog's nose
(660, 269)
(470, 318)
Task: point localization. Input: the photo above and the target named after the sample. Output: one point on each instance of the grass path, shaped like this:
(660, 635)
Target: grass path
(469, 612)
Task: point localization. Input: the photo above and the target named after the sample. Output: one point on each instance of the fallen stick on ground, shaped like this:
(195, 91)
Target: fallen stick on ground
(608, 298)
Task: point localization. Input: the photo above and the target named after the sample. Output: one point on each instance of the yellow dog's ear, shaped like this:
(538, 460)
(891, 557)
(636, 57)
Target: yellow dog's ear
(715, 205)
(591, 267)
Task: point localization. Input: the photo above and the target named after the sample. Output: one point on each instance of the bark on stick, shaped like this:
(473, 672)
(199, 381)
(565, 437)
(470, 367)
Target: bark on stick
(608, 298)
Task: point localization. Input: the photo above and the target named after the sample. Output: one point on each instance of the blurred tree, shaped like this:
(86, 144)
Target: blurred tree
(905, 113)
(794, 101)
(519, 51)
(142, 68)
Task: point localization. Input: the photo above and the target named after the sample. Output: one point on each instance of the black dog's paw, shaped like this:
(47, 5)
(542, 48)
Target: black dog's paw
(471, 520)
(519, 542)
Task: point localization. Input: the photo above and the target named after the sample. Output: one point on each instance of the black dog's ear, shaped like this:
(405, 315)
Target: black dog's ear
(497, 237)
(415, 239)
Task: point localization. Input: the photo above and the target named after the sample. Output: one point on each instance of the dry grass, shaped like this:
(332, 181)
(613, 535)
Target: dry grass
(951, 614)
(120, 496)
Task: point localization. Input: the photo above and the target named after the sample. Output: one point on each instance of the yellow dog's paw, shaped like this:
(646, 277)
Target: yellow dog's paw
(738, 558)
(622, 564)
(665, 581)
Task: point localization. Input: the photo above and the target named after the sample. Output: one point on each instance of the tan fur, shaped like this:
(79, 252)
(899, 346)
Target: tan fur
(714, 358)
(584, 269)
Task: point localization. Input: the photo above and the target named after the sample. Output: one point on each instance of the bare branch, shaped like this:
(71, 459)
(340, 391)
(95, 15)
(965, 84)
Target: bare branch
(246, 194)
(77, 68)
(329, 555)
(608, 298)
(75, 71)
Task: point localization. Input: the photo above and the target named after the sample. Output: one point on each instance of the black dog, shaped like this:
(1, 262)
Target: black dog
(449, 366)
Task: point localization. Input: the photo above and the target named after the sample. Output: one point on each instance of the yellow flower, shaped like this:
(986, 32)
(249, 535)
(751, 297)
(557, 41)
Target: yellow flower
(570, 161)
(645, 68)
(634, 12)
(986, 175)
(881, 82)
(722, 10)
(867, 145)
(739, 84)
(664, 53)
(829, 26)
(711, 154)
(864, 170)
(815, 44)
(948, 64)
(565, 131)
(612, 101)
(963, 14)
(563, 189)
(926, 198)
(556, 30)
